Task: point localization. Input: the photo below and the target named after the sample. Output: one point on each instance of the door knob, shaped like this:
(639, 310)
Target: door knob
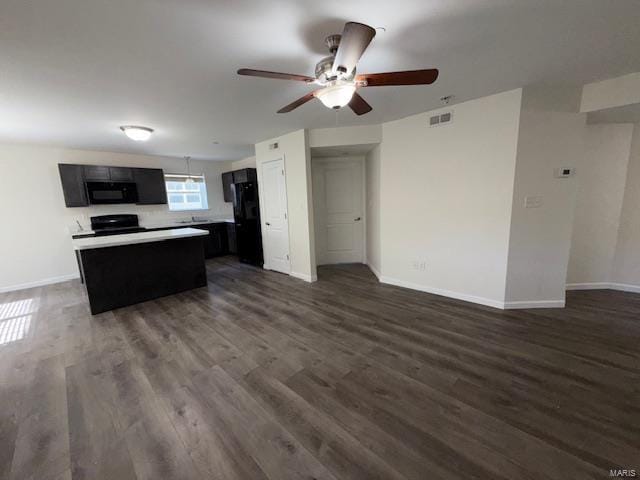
(357, 219)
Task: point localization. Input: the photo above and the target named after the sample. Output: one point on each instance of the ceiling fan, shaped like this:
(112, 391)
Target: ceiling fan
(337, 77)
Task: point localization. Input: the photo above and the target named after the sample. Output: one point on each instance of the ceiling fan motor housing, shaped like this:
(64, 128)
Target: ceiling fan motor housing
(333, 42)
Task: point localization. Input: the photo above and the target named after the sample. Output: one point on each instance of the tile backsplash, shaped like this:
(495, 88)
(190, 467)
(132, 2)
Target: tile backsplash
(151, 215)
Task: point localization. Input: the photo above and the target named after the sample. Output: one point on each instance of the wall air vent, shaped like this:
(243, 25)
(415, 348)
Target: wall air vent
(442, 119)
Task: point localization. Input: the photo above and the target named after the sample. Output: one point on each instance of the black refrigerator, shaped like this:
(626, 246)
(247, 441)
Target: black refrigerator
(246, 212)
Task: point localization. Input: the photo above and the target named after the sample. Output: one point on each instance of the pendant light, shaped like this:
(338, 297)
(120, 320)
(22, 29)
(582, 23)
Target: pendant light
(189, 179)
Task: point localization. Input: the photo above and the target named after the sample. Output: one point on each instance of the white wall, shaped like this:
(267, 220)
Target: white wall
(35, 243)
(446, 195)
(345, 136)
(294, 148)
(601, 178)
(626, 267)
(373, 207)
(249, 162)
(551, 136)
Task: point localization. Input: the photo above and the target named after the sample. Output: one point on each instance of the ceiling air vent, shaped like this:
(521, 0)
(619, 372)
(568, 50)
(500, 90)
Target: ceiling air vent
(441, 119)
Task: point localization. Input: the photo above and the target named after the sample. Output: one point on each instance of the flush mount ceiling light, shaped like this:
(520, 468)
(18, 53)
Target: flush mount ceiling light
(137, 133)
(337, 94)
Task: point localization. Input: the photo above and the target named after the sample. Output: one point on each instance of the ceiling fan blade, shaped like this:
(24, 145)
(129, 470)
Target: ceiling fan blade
(359, 105)
(354, 41)
(298, 102)
(408, 77)
(277, 75)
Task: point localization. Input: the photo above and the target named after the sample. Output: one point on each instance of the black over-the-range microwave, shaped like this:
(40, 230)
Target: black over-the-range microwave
(100, 193)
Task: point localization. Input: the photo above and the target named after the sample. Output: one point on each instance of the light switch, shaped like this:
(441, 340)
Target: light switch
(533, 201)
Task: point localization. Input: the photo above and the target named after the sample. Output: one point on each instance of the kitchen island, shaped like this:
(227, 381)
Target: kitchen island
(121, 270)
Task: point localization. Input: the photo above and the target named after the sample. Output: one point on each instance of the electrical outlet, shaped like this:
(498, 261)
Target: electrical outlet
(420, 265)
(533, 201)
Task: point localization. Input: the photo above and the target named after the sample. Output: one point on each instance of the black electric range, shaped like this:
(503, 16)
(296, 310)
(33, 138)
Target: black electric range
(112, 225)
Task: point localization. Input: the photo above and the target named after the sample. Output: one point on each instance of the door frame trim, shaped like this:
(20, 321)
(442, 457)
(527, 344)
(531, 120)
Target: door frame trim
(361, 159)
(260, 166)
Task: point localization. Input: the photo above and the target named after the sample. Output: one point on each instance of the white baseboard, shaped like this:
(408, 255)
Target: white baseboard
(305, 277)
(623, 287)
(445, 293)
(375, 271)
(534, 304)
(39, 283)
(588, 286)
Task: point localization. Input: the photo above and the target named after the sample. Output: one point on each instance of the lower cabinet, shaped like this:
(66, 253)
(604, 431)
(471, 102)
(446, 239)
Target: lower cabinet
(231, 238)
(218, 242)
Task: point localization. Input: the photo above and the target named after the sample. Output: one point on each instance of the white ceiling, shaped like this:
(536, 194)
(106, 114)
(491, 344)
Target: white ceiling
(72, 71)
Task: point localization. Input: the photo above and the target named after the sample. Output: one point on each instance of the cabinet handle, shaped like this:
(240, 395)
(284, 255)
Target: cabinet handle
(357, 219)
(267, 223)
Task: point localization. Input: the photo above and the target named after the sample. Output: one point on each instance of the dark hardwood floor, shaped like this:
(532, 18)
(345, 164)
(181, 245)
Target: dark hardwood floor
(261, 376)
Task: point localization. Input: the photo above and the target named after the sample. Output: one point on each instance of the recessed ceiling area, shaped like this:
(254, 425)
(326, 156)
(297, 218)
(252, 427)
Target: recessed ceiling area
(625, 114)
(342, 150)
(74, 71)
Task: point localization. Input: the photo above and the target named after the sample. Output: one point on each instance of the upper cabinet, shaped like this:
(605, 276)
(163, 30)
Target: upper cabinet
(123, 174)
(72, 177)
(227, 181)
(151, 186)
(149, 182)
(98, 173)
(237, 176)
(245, 175)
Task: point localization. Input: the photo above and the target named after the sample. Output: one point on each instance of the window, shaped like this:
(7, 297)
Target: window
(186, 192)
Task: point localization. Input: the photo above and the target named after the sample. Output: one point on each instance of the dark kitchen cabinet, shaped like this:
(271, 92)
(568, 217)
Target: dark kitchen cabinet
(121, 174)
(72, 178)
(151, 186)
(149, 182)
(100, 173)
(96, 173)
(245, 175)
(231, 238)
(227, 182)
(237, 176)
(216, 242)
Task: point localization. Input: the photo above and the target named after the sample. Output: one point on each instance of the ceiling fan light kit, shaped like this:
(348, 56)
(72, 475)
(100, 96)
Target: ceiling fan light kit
(336, 74)
(336, 95)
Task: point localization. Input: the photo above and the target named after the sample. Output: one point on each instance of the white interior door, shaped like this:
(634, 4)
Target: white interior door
(338, 193)
(275, 225)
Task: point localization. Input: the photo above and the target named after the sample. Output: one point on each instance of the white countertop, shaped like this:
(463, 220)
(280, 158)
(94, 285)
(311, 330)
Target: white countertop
(166, 224)
(139, 237)
(177, 223)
